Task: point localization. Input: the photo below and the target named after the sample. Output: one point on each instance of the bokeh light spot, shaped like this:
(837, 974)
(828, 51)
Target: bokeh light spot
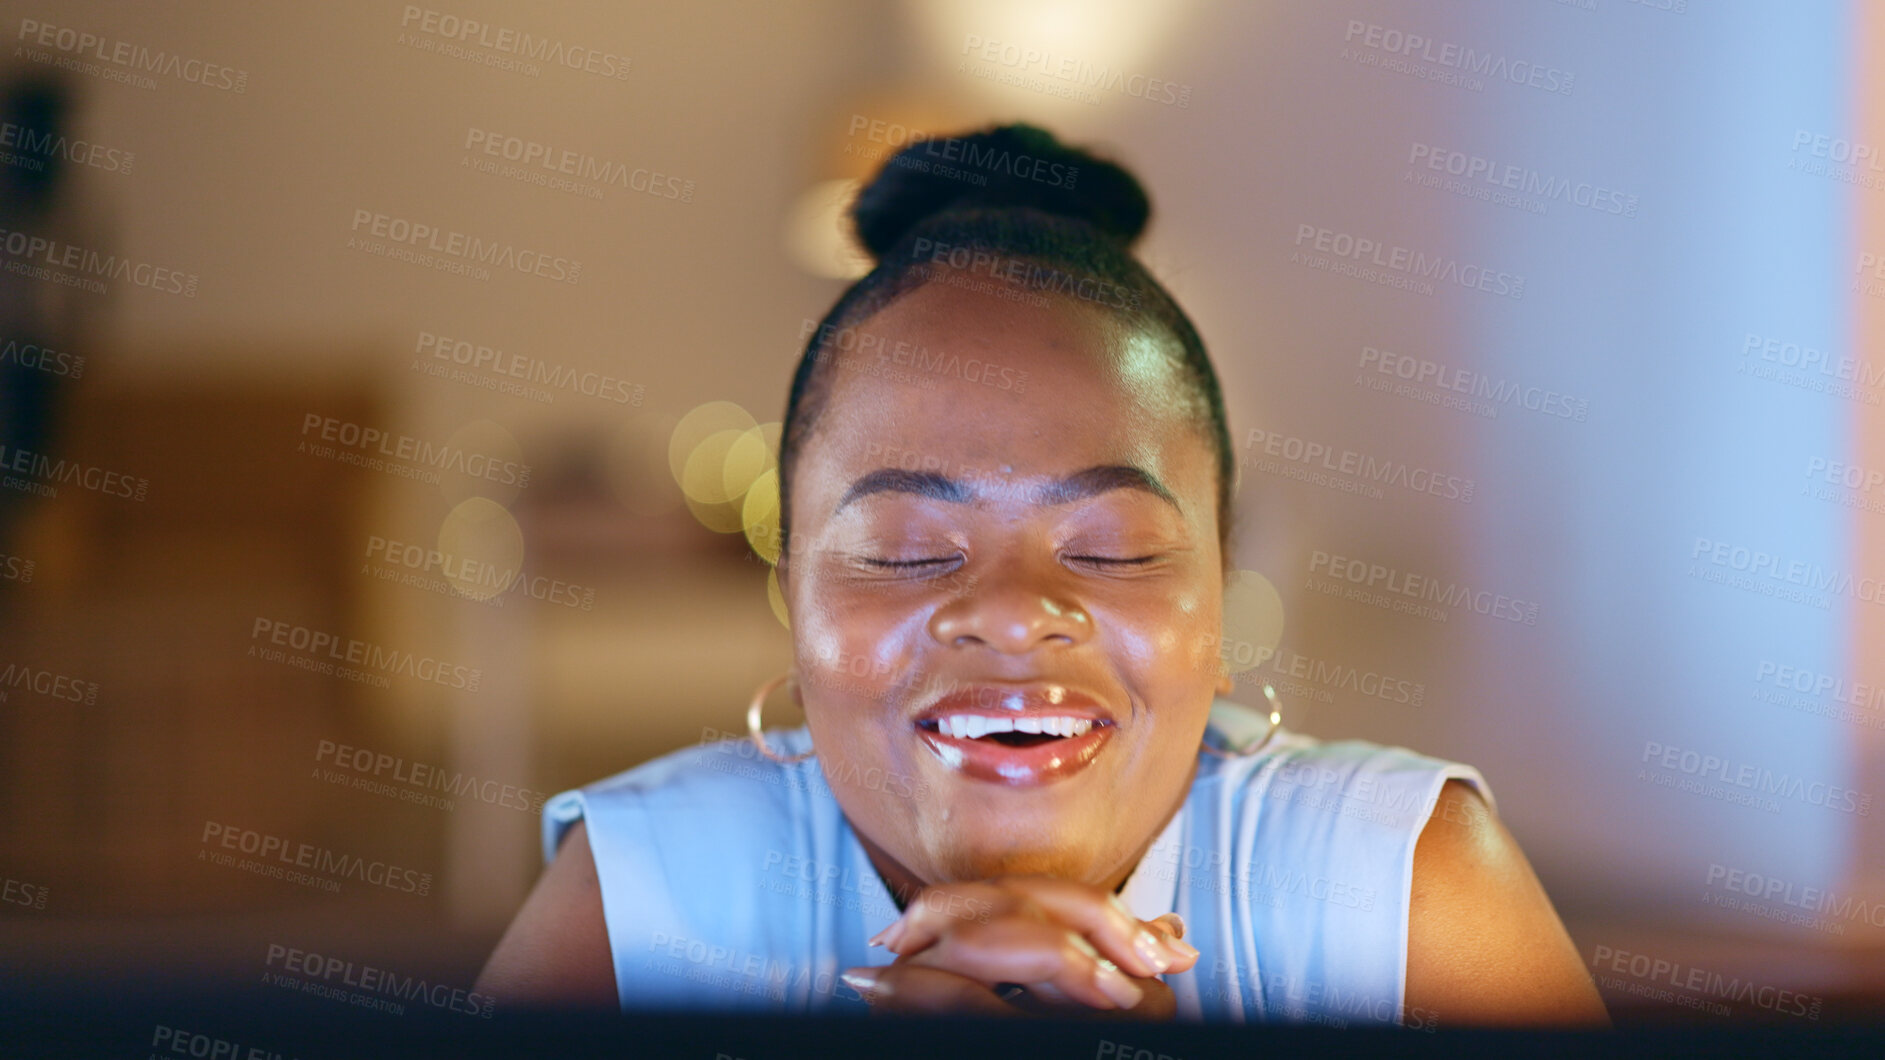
(1253, 621)
(776, 597)
(484, 547)
(700, 423)
(760, 515)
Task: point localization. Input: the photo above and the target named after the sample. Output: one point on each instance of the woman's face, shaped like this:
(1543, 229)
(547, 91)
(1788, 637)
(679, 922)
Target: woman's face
(1006, 517)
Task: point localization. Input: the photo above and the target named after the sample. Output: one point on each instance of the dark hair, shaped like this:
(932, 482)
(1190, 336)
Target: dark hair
(1060, 218)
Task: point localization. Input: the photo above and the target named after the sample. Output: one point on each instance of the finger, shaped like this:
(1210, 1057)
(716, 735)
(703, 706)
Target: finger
(1044, 999)
(939, 908)
(1104, 919)
(915, 988)
(1100, 917)
(1159, 1004)
(1033, 952)
(1171, 929)
(1097, 915)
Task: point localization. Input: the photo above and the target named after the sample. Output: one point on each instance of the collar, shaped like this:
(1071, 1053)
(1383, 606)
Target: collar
(1152, 889)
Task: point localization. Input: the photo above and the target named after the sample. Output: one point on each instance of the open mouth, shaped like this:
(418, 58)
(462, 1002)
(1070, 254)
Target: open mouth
(1020, 735)
(1025, 750)
(1009, 732)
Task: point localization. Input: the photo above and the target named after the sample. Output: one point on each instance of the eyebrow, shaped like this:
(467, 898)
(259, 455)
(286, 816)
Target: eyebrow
(1078, 486)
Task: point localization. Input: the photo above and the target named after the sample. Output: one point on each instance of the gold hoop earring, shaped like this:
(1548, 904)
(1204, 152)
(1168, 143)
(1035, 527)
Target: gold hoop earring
(753, 727)
(1276, 722)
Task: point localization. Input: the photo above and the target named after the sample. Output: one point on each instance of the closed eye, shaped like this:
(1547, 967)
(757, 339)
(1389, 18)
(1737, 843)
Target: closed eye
(1112, 561)
(906, 564)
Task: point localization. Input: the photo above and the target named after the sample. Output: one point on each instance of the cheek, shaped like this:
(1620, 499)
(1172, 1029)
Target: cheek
(849, 653)
(1200, 615)
(853, 662)
(1171, 639)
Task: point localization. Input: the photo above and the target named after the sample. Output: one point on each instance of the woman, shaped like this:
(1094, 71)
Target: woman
(1005, 484)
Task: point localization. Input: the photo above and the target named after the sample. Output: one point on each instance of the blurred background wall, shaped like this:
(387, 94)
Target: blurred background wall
(1597, 281)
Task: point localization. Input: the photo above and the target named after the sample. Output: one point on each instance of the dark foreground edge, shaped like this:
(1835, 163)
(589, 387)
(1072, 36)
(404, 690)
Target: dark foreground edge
(124, 1021)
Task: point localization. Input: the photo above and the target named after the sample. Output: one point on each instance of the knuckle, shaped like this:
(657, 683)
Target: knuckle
(976, 942)
(1072, 952)
(1018, 950)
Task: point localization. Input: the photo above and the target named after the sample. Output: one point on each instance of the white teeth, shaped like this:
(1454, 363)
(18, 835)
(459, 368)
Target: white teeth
(976, 726)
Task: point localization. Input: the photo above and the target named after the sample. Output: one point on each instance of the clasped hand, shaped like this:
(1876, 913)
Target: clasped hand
(1072, 947)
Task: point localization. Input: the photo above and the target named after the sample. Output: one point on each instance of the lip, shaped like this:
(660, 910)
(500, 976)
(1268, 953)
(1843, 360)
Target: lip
(992, 761)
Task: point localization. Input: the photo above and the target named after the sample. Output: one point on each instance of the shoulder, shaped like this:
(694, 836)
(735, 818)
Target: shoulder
(721, 787)
(661, 852)
(1484, 945)
(685, 837)
(1304, 782)
(1299, 760)
(1318, 839)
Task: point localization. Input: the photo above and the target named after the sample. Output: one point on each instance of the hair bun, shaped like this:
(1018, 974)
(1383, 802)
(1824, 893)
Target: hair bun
(1005, 166)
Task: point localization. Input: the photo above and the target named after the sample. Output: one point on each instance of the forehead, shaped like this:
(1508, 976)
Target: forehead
(965, 382)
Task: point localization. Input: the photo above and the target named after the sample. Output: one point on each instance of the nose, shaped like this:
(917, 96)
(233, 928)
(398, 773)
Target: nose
(1012, 609)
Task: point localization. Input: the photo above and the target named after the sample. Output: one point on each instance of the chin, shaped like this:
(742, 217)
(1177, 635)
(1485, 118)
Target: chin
(988, 856)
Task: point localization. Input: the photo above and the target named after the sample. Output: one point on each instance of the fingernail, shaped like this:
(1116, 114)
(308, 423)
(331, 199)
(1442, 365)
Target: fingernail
(888, 937)
(1176, 922)
(1147, 947)
(1180, 946)
(1114, 984)
(862, 980)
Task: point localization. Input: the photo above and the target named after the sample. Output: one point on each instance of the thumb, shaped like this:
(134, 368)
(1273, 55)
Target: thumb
(1173, 927)
(1171, 923)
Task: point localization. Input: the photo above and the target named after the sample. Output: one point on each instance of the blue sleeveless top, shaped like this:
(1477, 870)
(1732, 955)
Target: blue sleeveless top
(730, 881)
